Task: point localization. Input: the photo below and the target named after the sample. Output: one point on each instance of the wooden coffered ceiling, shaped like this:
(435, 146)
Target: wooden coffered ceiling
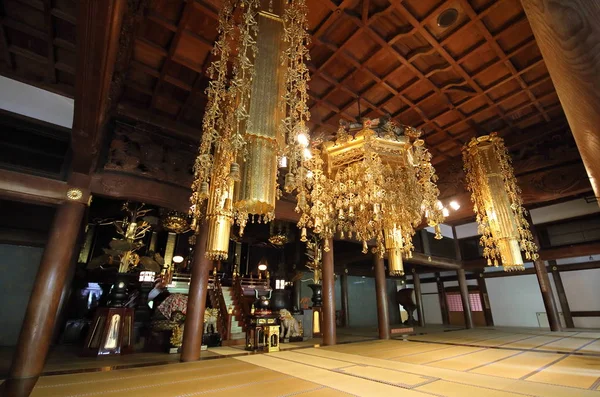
(484, 72)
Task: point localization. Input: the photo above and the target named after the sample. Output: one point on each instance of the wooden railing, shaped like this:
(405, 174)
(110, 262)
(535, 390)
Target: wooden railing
(218, 301)
(241, 302)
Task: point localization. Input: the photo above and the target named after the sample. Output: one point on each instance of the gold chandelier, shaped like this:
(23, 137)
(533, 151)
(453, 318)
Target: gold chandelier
(374, 182)
(247, 128)
(497, 203)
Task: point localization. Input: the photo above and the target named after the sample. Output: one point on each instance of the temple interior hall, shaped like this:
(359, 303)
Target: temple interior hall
(313, 198)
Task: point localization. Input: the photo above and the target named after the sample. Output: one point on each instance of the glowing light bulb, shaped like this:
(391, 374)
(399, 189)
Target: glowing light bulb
(309, 174)
(439, 205)
(307, 154)
(455, 206)
(262, 267)
(445, 212)
(302, 139)
(283, 162)
(177, 259)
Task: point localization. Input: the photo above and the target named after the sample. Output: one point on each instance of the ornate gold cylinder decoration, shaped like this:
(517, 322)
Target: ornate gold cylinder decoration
(497, 203)
(394, 249)
(219, 212)
(256, 192)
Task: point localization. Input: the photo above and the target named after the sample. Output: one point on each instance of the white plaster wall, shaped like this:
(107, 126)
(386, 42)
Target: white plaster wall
(36, 103)
(515, 300)
(431, 307)
(583, 294)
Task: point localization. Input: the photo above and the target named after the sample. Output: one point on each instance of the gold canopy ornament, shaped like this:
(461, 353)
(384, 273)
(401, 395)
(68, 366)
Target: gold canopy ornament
(374, 182)
(497, 203)
(247, 126)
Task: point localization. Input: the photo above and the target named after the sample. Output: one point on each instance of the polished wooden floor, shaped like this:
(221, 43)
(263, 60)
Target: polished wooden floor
(481, 362)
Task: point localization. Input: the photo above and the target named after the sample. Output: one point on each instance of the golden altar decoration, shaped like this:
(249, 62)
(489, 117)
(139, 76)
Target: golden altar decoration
(497, 203)
(255, 111)
(374, 182)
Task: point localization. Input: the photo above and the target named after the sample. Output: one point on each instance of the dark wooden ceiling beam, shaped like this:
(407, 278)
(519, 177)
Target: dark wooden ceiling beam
(444, 53)
(50, 38)
(421, 77)
(98, 30)
(185, 16)
(500, 52)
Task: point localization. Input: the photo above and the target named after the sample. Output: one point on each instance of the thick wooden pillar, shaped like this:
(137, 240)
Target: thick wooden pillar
(443, 301)
(418, 298)
(383, 316)
(329, 331)
(38, 325)
(344, 290)
(485, 300)
(194, 320)
(562, 295)
(568, 35)
(544, 282)
(464, 297)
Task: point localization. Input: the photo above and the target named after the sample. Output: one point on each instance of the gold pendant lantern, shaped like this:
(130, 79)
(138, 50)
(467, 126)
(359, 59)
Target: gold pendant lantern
(256, 193)
(393, 249)
(497, 203)
(375, 182)
(255, 110)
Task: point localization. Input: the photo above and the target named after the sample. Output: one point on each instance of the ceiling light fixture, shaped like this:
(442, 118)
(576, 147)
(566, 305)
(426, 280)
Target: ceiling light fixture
(447, 18)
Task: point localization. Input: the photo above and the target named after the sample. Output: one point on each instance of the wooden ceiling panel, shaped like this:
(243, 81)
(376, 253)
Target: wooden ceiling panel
(505, 13)
(192, 49)
(515, 35)
(492, 75)
(364, 49)
(155, 32)
(376, 95)
(460, 45)
(504, 92)
(202, 24)
(448, 118)
(485, 57)
(382, 63)
(338, 98)
(421, 8)
(24, 13)
(168, 9)
(185, 75)
(148, 53)
(418, 91)
(401, 78)
(65, 30)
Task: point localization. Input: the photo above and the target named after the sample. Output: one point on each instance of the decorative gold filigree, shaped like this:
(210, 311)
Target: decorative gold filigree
(497, 203)
(374, 185)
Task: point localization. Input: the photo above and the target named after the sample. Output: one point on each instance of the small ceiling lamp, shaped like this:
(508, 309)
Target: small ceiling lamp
(375, 181)
(177, 259)
(497, 203)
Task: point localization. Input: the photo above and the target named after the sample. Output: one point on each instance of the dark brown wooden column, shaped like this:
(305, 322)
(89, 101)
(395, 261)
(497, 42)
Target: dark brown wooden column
(544, 282)
(383, 316)
(485, 300)
(418, 298)
(443, 301)
(464, 297)
(562, 295)
(36, 332)
(194, 320)
(568, 35)
(344, 290)
(329, 331)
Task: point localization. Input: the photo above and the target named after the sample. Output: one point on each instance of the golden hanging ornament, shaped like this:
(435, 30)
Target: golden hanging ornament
(497, 203)
(247, 125)
(374, 182)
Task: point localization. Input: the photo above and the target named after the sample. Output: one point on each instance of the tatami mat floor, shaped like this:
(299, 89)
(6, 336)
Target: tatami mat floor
(481, 362)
